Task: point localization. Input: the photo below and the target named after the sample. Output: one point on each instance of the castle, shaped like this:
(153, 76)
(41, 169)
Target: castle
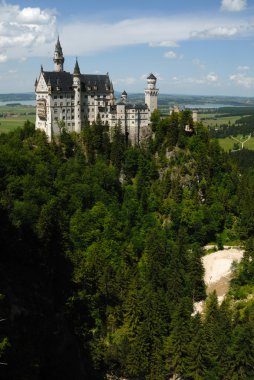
(67, 99)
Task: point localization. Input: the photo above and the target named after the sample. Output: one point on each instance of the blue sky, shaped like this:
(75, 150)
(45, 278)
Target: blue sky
(199, 47)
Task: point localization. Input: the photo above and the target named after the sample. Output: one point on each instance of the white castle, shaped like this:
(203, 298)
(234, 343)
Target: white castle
(65, 99)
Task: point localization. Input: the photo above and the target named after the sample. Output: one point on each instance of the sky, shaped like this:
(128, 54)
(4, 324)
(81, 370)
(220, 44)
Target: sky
(194, 47)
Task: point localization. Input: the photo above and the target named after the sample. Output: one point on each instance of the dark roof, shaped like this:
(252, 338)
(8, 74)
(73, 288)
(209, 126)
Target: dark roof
(138, 106)
(151, 76)
(97, 83)
(124, 93)
(62, 79)
(90, 83)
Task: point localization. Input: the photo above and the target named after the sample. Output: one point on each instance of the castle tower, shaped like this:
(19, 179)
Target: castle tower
(77, 97)
(151, 93)
(58, 57)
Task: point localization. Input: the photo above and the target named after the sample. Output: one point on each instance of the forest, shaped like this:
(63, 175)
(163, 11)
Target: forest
(101, 246)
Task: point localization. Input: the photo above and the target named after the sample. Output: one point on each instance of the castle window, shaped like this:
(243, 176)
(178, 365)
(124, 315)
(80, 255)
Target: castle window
(55, 110)
(61, 96)
(55, 96)
(55, 104)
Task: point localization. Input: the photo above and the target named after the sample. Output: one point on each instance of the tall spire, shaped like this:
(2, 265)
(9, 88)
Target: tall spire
(58, 47)
(58, 56)
(76, 68)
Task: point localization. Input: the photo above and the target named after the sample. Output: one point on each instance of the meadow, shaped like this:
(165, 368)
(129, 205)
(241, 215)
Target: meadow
(216, 119)
(14, 116)
(228, 143)
(225, 119)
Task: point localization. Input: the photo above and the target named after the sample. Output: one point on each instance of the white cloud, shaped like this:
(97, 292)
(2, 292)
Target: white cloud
(164, 44)
(170, 55)
(31, 31)
(212, 77)
(3, 58)
(26, 31)
(164, 31)
(242, 80)
(243, 68)
(219, 32)
(30, 16)
(233, 5)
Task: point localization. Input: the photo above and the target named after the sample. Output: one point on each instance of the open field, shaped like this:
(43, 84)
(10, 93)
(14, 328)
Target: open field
(16, 109)
(9, 124)
(213, 119)
(227, 143)
(12, 117)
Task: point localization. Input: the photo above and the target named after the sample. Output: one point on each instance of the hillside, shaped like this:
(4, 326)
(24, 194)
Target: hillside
(101, 257)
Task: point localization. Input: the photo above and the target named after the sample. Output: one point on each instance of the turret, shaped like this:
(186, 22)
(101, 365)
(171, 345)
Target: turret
(58, 57)
(77, 96)
(151, 93)
(124, 97)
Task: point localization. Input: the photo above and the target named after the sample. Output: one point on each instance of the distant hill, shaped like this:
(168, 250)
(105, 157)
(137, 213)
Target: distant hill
(17, 97)
(164, 100)
(199, 100)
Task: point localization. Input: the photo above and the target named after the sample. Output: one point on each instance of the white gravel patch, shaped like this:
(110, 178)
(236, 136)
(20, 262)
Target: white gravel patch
(218, 269)
(218, 264)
